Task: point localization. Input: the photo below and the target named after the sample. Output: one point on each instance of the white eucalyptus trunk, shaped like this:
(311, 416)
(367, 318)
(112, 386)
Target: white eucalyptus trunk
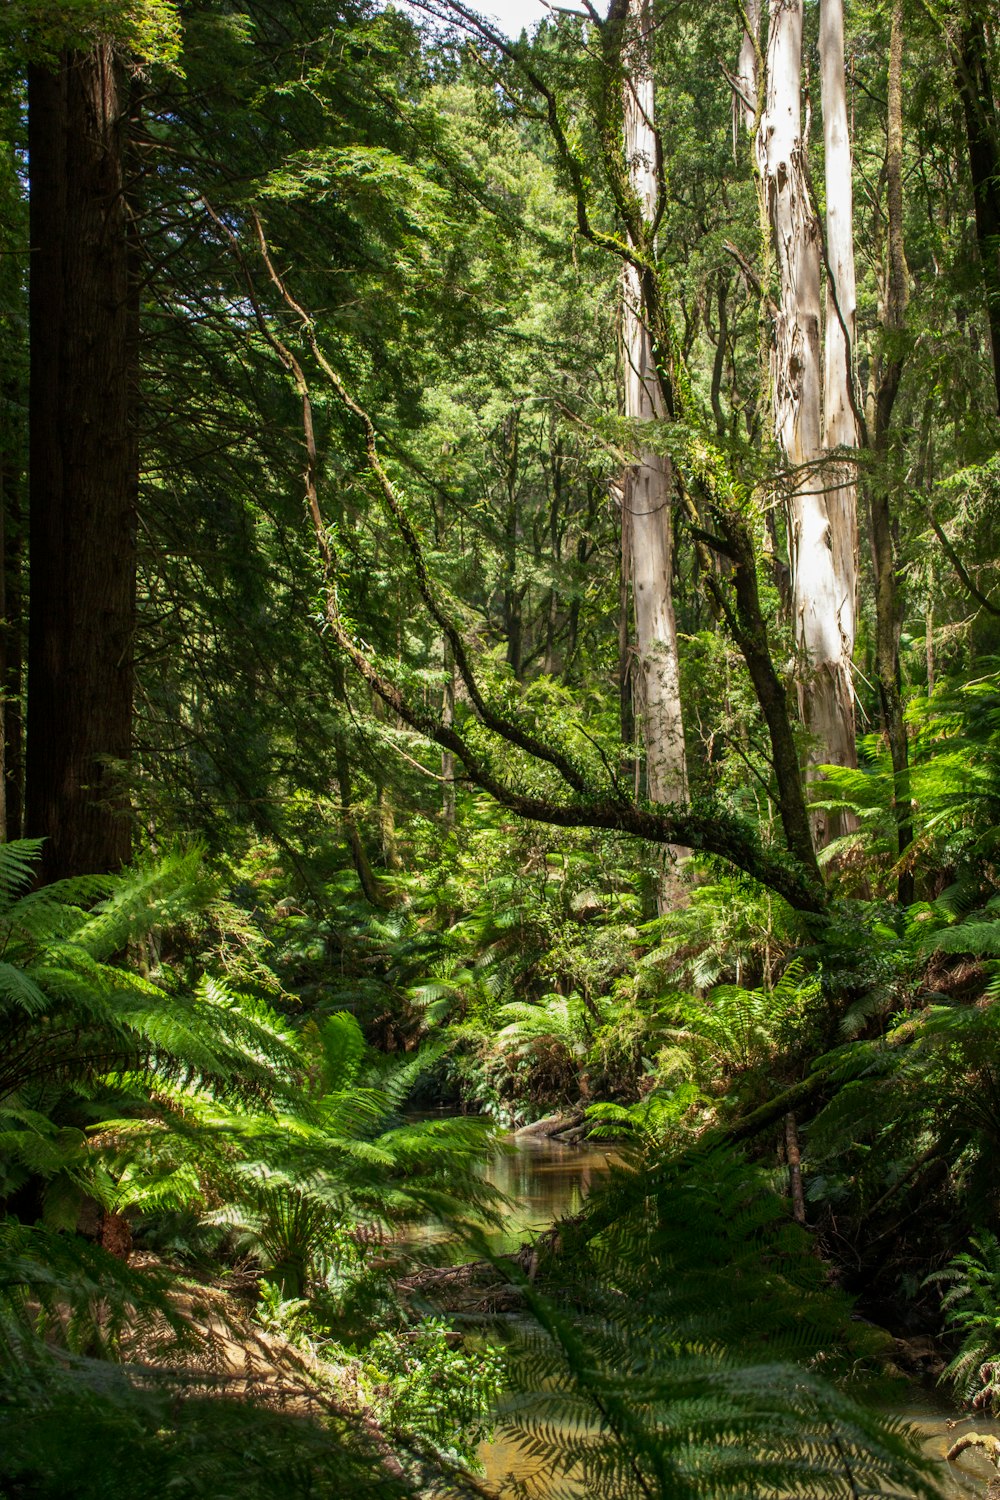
(648, 489)
(747, 80)
(840, 427)
(823, 610)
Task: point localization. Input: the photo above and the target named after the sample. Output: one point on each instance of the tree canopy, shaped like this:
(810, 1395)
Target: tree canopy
(500, 614)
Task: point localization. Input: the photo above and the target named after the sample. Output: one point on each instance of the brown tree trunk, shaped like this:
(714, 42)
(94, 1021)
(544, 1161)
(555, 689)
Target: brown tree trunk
(793, 1156)
(982, 128)
(11, 644)
(13, 712)
(84, 465)
(888, 372)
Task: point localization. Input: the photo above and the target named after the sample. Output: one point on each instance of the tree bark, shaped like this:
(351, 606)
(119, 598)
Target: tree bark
(84, 465)
(648, 488)
(840, 423)
(11, 643)
(888, 373)
(793, 1156)
(747, 71)
(822, 606)
(982, 128)
(13, 711)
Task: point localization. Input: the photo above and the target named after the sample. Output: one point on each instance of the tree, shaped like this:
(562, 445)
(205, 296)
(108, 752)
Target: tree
(648, 489)
(808, 418)
(840, 426)
(982, 128)
(83, 462)
(887, 370)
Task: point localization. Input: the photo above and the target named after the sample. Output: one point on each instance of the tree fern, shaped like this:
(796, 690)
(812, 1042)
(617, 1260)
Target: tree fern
(971, 1307)
(681, 1356)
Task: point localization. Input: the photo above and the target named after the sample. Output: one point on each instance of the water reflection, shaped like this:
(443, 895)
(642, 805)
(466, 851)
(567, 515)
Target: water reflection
(544, 1182)
(939, 1426)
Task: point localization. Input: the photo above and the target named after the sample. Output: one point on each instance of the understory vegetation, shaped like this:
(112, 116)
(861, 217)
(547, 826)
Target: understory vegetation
(499, 631)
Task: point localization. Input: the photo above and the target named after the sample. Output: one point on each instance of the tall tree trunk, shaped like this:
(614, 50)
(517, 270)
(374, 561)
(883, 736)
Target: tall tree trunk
(11, 621)
(982, 128)
(447, 758)
(840, 423)
(822, 615)
(13, 687)
(747, 70)
(626, 709)
(888, 372)
(84, 465)
(648, 488)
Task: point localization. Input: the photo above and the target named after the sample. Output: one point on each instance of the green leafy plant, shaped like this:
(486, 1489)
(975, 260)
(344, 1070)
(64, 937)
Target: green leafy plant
(971, 1308)
(426, 1381)
(693, 1349)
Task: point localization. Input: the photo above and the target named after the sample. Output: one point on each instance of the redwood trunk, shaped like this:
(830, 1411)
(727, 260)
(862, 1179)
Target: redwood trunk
(84, 467)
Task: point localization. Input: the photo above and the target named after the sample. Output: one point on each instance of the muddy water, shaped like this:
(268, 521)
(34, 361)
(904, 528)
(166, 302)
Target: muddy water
(545, 1182)
(939, 1426)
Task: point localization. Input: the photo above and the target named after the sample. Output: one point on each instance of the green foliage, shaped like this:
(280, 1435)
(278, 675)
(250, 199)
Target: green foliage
(691, 1351)
(107, 1387)
(724, 929)
(734, 1030)
(952, 782)
(915, 1118)
(188, 1112)
(971, 1308)
(426, 1382)
(655, 1120)
(155, 1067)
(149, 31)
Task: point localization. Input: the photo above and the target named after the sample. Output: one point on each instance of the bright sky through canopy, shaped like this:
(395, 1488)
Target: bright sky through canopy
(514, 15)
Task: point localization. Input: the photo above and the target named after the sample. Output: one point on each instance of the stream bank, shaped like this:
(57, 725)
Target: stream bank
(547, 1180)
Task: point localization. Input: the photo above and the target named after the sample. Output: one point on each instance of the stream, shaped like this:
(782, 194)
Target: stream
(546, 1181)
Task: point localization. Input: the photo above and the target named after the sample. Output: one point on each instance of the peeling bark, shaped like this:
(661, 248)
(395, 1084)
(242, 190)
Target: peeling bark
(649, 484)
(747, 81)
(823, 585)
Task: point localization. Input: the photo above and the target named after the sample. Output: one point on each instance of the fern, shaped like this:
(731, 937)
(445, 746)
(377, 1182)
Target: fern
(971, 1306)
(682, 1356)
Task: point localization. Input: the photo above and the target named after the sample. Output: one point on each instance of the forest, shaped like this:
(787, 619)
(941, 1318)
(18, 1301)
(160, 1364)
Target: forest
(499, 654)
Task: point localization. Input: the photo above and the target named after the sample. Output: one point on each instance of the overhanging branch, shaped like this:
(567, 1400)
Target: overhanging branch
(709, 831)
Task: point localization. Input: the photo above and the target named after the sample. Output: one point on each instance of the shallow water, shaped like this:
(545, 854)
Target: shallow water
(543, 1181)
(940, 1425)
(546, 1181)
